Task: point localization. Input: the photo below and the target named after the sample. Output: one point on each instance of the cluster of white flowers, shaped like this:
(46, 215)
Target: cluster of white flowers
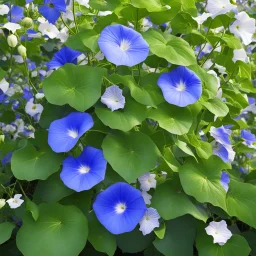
(13, 203)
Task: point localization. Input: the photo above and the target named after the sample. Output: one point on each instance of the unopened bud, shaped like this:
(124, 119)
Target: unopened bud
(22, 51)
(2, 203)
(12, 40)
(27, 22)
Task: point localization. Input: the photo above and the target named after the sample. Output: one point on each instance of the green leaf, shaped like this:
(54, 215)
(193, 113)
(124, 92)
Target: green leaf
(2, 74)
(244, 69)
(150, 5)
(59, 230)
(216, 106)
(172, 118)
(183, 23)
(202, 180)
(53, 184)
(123, 119)
(78, 86)
(160, 232)
(204, 150)
(134, 241)
(232, 41)
(182, 5)
(179, 237)
(33, 208)
(130, 154)
(30, 164)
(103, 5)
(6, 229)
(185, 148)
(171, 202)
(235, 246)
(99, 237)
(173, 49)
(241, 202)
(84, 41)
(147, 93)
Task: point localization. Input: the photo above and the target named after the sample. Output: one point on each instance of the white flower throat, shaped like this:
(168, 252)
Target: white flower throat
(84, 169)
(181, 87)
(73, 133)
(125, 45)
(120, 208)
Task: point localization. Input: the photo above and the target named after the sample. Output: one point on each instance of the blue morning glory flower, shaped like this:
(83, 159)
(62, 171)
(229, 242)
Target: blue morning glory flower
(221, 135)
(249, 138)
(226, 153)
(65, 132)
(16, 14)
(122, 45)
(7, 158)
(113, 98)
(119, 208)
(224, 180)
(85, 171)
(52, 9)
(180, 86)
(63, 56)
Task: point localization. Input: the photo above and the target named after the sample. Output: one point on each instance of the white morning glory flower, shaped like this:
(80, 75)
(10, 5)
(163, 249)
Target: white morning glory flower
(202, 18)
(84, 3)
(243, 27)
(149, 221)
(147, 197)
(147, 181)
(4, 85)
(15, 202)
(12, 26)
(4, 9)
(32, 109)
(240, 54)
(221, 234)
(113, 98)
(217, 7)
(104, 13)
(48, 29)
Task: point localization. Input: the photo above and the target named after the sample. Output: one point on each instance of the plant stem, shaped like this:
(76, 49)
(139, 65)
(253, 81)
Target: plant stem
(74, 15)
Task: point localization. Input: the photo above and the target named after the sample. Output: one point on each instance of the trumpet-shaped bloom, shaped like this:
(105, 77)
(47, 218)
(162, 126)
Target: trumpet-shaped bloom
(63, 56)
(221, 135)
(52, 9)
(147, 197)
(122, 45)
(217, 7)
(65, 132)
(180, 87)
(226, 153)
(15, 202)
(240, 54)
(119, 208)
(4, 9)
(12, 26)
(16, 14)
(219, 231)
(113, 98)
(84, 172)
(249, 138)
(224, 180)
(48, 29)
(147, 181)
(150, 221)
(243, 27)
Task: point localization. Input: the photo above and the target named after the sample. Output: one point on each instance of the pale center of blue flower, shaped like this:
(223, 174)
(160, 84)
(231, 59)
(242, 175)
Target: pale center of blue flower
(73, 134)
(120, 208)
(181, 87)
(84, 169)
(125, 45)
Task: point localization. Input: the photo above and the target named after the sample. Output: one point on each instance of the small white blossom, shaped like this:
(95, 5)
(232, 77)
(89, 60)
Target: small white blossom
(15, 202)
(9, 128)
(105, 13)
(4, 85)
(221, 69)
(4, 9)
(219, 231)
(18, 58)
(84, 3)
(99, 56)
(150, 221)
(147, 197)
(39, 95)
(12, 26)
(202, 18)
(208, 64)
(217, 7)
(243, 27)
(33, 109)
(113, 98)
(146, 24)
(240, 54)
(147, 181)
(63, 35)
(34, 73)
(48, 29)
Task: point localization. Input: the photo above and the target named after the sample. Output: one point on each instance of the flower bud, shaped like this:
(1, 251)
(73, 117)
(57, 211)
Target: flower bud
(22, 51)
(12, 40)
(27, 22)
(2, 138)
(2, 203)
